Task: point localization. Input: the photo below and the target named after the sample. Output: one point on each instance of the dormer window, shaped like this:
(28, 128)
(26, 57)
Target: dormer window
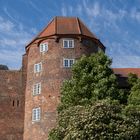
(43, 47)
(68, 43)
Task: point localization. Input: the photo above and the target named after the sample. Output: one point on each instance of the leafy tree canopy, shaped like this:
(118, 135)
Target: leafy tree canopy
(132, 79)
(102, 121)
(134, 97)
(91, 104)
(92, 79)
(3, 67)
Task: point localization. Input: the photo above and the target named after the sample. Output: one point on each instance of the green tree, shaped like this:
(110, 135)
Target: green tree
(92, 79)
(3, 67)
(132, 110)
(134, 97)
(132, 79)
(101, 121)
(91, 106)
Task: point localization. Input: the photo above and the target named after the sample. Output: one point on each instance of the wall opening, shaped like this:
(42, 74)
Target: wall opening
(17, 103)
(13, 102)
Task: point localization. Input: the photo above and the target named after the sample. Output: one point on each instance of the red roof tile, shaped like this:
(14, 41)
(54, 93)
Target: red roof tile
(65, 26)
(125, 71)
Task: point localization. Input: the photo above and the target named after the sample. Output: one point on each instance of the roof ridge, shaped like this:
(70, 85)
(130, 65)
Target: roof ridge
(56, 25)
(40, 33)
(79, 27)
(46, 27)
(81, 22)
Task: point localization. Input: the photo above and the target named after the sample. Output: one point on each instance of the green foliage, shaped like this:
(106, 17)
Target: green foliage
(103, 120)
(134, 97)
(132, 110)
(92, 79)
(132, 79)
(3, 67)
(92, 107)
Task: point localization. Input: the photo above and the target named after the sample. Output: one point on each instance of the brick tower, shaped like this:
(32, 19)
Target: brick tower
(49, 59)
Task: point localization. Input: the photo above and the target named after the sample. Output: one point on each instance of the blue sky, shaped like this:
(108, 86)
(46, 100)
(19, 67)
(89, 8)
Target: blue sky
(115, 22)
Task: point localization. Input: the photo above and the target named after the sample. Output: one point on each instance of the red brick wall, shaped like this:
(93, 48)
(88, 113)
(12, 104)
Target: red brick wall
(11, 105)
(51, 79)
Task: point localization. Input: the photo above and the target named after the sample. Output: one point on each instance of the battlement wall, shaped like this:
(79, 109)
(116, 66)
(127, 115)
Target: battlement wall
(11, 105)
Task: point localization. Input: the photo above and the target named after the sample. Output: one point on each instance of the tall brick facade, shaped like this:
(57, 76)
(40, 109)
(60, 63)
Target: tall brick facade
(53, 72)
(17, 99)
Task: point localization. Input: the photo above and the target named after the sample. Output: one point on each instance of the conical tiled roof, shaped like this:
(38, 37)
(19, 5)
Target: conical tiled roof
(65, 26)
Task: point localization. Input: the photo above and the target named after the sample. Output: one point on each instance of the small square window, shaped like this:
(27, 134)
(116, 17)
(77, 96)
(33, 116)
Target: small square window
(68, 43)
(44, 47)
(36, 114)
(67, 63)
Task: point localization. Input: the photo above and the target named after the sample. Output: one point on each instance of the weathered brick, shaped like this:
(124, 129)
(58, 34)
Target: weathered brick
(11, 105)
(16, 88)
(51, 78)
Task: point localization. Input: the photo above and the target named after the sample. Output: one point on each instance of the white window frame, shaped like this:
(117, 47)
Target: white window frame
(68, 60)
(37, 67)
(43, 47)
(68, 43)
(36, 114)
(37, 89)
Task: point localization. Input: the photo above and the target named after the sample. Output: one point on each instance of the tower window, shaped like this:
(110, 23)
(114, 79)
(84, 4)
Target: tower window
(37, 67)
(43, 47)
(68, 43)
(36, 114)
(37, 89)
(67, 63)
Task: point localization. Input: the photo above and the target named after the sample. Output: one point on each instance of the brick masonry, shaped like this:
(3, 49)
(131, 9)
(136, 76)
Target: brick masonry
(16, 87)
(11, 105)
(51, 78)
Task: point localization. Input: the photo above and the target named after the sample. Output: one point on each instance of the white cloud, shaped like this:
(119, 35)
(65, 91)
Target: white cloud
(5, 25)
(97, 15)
(7, 42)
(124, 54)
(79, 9)
(13, 38)
(126, 61)
(108, 23)
(35, 7)
(70, 8)
(11, 58)
(135, 14)
(64, 11)
(9, 15)
(92, 10)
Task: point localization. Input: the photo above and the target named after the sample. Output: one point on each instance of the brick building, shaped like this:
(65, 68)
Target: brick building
(29, 97)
